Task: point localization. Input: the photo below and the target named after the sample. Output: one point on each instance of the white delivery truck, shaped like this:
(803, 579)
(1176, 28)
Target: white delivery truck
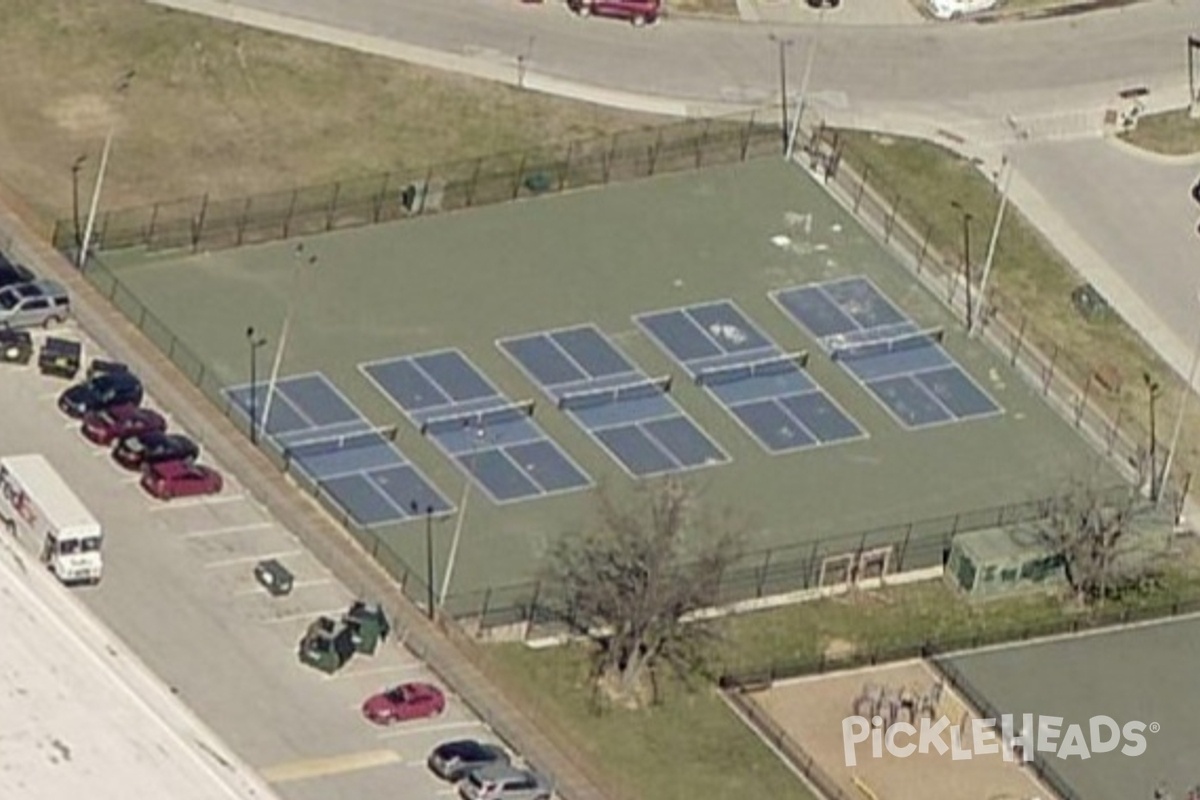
(40, 511)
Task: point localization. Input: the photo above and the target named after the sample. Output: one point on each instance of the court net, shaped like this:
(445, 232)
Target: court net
(889, 344)
(337, 444)
(782, 364)
(496, 415)
(592, 398)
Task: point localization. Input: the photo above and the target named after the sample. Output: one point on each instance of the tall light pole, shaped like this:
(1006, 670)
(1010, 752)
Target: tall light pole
(255, 342)
(1188, 388)
(415, 508)
(1153, 390)
(790, 146)
(121, 87)
(479, 437)
(1193, 96)
(301, 260)
(991, 252)
(78, 223)
(783, 44)
(966, 221)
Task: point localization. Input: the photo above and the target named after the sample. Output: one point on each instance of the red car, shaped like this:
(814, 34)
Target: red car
(168, 479)
(406, 701)
(639, 12)
(105, 427)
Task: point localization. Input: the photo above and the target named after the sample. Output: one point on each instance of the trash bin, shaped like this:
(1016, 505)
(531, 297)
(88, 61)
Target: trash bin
(274, 577)
(368, 626)
(60, 358)
(327, 645)
(16, 347)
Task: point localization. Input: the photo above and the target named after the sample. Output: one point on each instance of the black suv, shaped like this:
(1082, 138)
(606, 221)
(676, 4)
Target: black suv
(135, 452)
(101, 393)
(12, 274)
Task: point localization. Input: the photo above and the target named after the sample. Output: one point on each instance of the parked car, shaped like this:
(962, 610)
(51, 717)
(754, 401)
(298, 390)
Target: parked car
(451, 761)
(503, 782)
(143, 449)
(406, 701)
(41, 302)
(638, 12)
(13, 273)
(168, 479)
(105, 427)
(100, 393)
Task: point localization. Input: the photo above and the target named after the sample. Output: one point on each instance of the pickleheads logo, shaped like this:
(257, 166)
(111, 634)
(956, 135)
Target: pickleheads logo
(990, 737)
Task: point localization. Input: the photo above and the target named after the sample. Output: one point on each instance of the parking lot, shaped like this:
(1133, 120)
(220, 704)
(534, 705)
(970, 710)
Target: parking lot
(179, 589)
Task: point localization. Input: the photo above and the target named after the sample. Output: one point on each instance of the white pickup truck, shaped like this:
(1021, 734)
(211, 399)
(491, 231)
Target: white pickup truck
(44, 515)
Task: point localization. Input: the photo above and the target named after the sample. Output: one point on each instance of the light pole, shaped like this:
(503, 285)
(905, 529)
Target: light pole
(1153, 390)
(991, 253)
(415, 507)
(255, 342)
(783, 44)
(75, 167)
(121, 87)
(300, 262)
(966, 221)
(480, 436)
(1193, 97)
(804, 79)
(1183, 401)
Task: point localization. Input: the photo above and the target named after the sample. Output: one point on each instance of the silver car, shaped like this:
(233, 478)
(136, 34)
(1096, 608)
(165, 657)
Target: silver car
(503, 782)
(41, 302)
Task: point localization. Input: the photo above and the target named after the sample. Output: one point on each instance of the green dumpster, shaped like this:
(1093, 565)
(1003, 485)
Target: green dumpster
(368, 626)
(327, 645)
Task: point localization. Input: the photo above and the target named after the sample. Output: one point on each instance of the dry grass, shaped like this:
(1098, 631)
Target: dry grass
(228, 110)
(1172, 133)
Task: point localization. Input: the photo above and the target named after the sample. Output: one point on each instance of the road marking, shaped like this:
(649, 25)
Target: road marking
(329, 612)
(322, 767)
(202, 501)
(295, 585)
(366, 673)
(445, 726)
(257, 526)
(230, 562)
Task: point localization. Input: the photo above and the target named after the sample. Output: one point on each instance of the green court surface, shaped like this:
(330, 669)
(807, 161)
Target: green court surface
(1143, 674)
(465, 279)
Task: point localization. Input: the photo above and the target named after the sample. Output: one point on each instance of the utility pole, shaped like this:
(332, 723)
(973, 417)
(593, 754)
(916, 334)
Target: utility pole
(783, 44)
(966, 220)
(75, 168)
(991, 253)
(121, 87)
(1153, 390)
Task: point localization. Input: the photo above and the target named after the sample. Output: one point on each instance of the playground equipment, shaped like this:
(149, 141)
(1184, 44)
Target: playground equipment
(891, 704)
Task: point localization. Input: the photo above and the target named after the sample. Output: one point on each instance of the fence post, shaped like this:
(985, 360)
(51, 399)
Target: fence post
(381, 197)
(812, 560)
(904, 548)
(701, 142)
(332, 207)
(1114, 430)
(891, 219)
(747, 132)
(1083, 398)
(241, 223)
(862, 187)
(149, 237)
(474, 181)
(517, 177)
(762, 575)
(924, 249)
(287, 221)
(564, 171)
(654, 153)
(609, 156)
(198, 223)
(1018, 340)
(1050, 370)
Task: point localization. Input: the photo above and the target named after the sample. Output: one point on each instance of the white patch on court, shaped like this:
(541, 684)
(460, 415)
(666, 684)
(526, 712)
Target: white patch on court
(835, 227)
(781, 241)
(820, 248)
(730, 333)
(678, 284)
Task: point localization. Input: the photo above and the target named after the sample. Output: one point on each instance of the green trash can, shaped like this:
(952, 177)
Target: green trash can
(327, 645)
(368, 626)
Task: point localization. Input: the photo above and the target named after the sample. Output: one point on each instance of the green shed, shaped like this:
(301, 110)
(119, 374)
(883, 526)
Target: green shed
(1004, 561)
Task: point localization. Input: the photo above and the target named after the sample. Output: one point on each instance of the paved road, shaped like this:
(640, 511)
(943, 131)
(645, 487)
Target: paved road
(949, 72)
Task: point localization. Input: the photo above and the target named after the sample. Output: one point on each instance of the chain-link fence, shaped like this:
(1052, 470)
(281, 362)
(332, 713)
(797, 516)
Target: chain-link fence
(204, 223)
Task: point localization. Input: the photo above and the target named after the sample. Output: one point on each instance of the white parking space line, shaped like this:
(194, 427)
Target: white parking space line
(256, 526)
(443, 726)
(373, 671)
(232, 562)
(295, 585)
(202, 501)
(329, 612)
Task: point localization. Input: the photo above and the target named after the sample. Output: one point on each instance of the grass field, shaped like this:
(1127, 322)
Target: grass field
(1172, 133)
(444, 281)
(229, 110)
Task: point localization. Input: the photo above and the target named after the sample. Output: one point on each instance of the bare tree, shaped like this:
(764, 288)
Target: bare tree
(633, 579)
(1092, 533)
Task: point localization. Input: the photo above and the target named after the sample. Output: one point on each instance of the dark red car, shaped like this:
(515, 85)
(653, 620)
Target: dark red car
(406, 701)
(105, 427)
(168, 479)
(638, 12)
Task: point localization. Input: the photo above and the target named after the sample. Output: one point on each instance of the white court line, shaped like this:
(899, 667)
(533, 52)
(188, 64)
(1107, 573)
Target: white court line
(444, 726)
(255, 526)
(328, 612)
(203, 501)
(295, 585)
(229, 562)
